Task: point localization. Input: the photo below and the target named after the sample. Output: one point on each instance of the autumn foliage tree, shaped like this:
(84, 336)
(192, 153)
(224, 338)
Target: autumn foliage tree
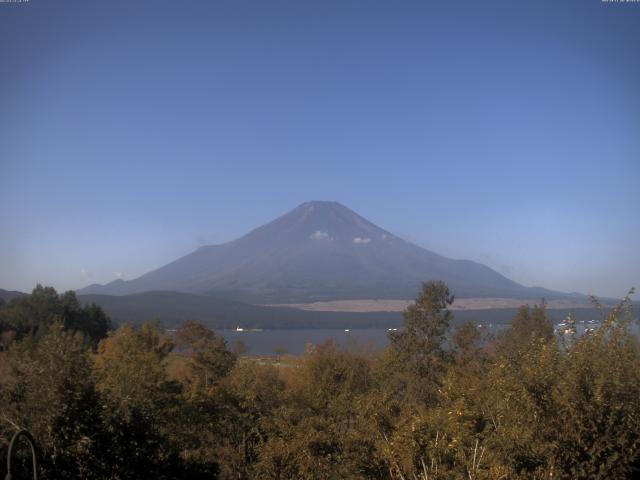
(442, 401)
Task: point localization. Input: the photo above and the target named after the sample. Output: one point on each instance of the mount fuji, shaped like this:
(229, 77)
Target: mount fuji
(320, 251)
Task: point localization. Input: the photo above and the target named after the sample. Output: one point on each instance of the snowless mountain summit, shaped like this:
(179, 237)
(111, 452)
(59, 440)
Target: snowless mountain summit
(319, 251)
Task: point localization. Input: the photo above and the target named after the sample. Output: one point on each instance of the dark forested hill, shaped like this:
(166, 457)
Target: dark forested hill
(8, 295)
(173, 308)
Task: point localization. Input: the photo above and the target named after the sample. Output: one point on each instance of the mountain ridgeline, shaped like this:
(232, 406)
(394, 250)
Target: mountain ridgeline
(319, 251)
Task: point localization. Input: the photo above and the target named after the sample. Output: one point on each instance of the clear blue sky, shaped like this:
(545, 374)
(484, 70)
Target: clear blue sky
(507, 132)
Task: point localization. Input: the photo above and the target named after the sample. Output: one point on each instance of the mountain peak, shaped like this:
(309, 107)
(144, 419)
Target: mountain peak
(326, 221)
(325, 206)
(321, 203)
(320, 250)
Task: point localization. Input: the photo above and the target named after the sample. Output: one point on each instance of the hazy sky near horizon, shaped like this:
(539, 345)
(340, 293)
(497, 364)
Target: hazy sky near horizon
(132, 132)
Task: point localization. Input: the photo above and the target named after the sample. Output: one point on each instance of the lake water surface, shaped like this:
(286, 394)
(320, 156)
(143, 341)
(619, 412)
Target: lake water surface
(265, 342)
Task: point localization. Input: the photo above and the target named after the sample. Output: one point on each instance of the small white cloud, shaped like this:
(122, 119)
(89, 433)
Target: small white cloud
(86, 273)
(119, 274)
(360, 240)
(319, 235)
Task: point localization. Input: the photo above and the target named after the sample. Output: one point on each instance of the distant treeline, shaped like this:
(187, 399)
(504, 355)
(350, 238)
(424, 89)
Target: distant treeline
(440, 402)
(172, 308)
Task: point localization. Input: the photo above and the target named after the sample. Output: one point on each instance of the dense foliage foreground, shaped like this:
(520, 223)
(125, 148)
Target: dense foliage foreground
(128, 404)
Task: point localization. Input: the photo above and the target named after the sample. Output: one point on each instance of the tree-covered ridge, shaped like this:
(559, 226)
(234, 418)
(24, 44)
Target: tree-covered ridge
(435, 404)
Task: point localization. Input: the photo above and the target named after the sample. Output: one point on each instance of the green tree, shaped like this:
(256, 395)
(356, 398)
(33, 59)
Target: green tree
(595, 426)
(530, 327)
(418, 350)
(49, 391)
(90, 319)
(209, 358)
(141, 405)
(322, 431)
(34, 314)
(248, 399)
